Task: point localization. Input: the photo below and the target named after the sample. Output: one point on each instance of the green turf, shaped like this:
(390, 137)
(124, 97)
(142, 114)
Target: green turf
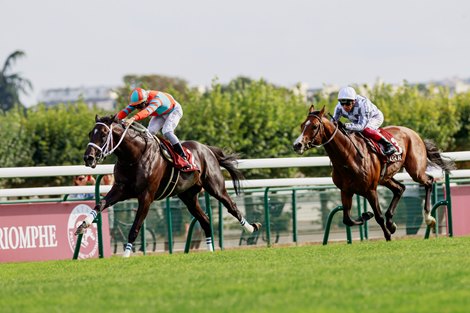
(408, 275)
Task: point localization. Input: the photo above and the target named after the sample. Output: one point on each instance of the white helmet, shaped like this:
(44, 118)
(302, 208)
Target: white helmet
(347, 93)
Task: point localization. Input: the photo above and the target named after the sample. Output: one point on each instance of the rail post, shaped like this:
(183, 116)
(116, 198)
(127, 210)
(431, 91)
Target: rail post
(328, 225)
(267, 217)
(294, 215)
(170, 226)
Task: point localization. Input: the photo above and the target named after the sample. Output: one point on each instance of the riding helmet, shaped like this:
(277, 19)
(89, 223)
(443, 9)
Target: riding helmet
(347, 93)
(138, 95)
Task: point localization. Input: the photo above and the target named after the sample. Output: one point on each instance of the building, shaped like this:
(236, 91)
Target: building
(101, 97)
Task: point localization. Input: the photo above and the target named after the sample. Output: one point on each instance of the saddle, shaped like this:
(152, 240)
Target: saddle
(378, 149)
(178, 162)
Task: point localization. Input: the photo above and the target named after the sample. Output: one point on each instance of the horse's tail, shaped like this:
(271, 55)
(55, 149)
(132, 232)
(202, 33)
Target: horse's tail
(229, 162)
(435, 157)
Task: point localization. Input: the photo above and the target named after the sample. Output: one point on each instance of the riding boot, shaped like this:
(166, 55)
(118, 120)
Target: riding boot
(179, 149)
(388, 148)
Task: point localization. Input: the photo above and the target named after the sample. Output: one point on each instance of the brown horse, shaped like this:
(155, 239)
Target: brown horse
(142, 172)
(358, 171)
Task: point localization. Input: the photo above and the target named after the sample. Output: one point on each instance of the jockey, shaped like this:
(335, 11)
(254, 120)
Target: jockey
(364, 116)
(166, 113)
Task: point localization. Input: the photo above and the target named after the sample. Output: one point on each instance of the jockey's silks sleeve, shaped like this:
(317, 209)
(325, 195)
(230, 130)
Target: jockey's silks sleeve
(151, 108)
(125, 112)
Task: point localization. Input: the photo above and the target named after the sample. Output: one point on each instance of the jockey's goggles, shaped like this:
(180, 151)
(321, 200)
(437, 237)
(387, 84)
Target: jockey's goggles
(345, 102)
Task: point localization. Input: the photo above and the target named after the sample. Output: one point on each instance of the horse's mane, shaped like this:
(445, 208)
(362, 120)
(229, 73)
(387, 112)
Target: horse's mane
(108, 120)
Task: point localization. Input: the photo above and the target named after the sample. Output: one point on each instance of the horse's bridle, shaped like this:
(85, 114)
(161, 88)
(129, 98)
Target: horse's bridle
(108, 147)
(310, 144)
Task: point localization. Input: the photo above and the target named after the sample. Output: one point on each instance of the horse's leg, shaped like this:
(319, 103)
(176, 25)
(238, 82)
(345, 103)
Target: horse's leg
(373, 199)
(428, 218)
(144, 204)
(346, 200)
(115, 195)
(221, 194)
(190, 199)
(417, 171)
(397, 188)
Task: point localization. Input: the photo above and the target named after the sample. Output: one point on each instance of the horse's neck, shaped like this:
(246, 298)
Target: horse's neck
(340, 149)
(132, 148)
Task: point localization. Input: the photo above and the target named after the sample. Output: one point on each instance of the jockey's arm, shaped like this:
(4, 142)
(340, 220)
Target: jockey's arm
(337, 113)
(125, 112)
(152, 107)
(360, 124)
(357, 127)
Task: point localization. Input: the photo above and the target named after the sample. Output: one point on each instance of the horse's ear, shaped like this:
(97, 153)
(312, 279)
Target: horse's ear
(311, 109)
(97, 118)
(322, 111)
(115, 119)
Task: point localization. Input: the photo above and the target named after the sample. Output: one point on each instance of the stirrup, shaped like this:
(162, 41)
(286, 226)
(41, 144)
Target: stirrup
(390, 151)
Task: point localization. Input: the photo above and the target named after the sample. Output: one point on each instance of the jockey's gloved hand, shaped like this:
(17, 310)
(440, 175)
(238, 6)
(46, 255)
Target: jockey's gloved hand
(128, 121)
(348, 126)
(340, 124)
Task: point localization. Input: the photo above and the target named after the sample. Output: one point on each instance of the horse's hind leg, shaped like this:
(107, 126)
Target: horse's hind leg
(190, 199)
(222, 195)
(428, 218)
(419, 175)
(373, 199)
(397, 188)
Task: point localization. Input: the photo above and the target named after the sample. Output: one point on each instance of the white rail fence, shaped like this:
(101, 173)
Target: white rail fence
(52, 171)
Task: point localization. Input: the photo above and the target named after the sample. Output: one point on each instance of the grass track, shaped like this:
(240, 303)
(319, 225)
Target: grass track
(408, 275)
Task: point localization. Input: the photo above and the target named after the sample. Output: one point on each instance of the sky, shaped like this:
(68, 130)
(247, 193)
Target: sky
(340, 42)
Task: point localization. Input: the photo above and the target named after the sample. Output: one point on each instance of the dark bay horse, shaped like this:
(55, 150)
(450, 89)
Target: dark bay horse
(358, 171)
(142, 172)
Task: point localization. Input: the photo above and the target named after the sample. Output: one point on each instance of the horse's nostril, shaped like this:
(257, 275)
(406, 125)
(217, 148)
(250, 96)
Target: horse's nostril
(88, 158)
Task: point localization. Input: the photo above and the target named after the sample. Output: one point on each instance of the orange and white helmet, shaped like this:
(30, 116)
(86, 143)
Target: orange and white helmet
(138, 95)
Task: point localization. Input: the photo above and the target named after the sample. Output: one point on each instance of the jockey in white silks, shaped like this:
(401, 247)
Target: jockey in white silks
(364, 116)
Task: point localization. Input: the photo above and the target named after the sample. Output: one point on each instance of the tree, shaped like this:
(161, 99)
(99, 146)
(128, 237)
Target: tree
(12, 84)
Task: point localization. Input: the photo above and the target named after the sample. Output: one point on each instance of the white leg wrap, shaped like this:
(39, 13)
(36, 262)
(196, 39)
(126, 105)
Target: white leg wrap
(128, 250)
(209, 244)
(90, 218)
(247, 225)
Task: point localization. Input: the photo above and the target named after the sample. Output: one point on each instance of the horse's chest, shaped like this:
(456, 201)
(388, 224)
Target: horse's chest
(350, 178)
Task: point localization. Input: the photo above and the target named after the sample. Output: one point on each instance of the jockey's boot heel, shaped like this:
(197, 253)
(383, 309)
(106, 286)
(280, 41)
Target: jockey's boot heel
(179, 149)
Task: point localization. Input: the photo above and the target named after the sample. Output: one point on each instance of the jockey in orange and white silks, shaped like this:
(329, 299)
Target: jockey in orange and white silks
(166, 113)
(363, 115)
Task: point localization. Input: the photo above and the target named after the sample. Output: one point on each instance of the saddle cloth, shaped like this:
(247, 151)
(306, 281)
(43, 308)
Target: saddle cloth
(377, 148)
(175, 158)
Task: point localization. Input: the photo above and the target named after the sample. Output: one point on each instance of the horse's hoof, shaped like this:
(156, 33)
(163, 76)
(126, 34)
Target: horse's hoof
(367, 216)
(127, 253)
(81, 229)
(350, 222)
(431, 223)
(256, 226)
